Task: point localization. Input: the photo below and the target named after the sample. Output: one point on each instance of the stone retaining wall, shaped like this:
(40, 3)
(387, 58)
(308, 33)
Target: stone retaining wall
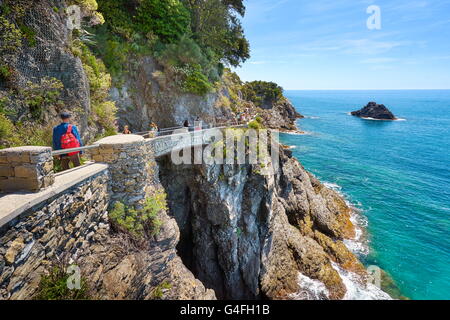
(130, 164)
(64, 224)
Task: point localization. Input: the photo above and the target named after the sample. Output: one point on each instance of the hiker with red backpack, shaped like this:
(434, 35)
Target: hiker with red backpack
(66, 136)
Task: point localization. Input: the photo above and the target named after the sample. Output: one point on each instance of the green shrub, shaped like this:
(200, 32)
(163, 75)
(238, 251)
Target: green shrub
(99, 84)
(197, 83)
(184, 52)
(29, 34)
(38, 97)
(6, 131)
(10, 36)
(158, 292)
(254, 125)
(5, 72)
(119, 16)
(10, 42)
(260, 92)
(33, 97)
(54, 287)
(32, 100)
(90, 5)
(139, 223)
(168, 19)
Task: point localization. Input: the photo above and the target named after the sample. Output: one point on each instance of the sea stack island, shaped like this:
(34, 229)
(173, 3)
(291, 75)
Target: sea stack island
(374, 111)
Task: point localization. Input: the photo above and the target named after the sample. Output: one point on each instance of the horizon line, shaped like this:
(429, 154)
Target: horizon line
(366, 89)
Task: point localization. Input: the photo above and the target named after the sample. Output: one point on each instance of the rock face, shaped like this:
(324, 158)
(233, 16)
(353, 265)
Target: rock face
(249, 236)
(281, 115)
(150, 95)
(118, 270)
(375, 111)
(50, 57)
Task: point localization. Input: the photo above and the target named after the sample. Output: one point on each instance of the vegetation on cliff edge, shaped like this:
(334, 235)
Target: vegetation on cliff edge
(139, 223)
(191, 39)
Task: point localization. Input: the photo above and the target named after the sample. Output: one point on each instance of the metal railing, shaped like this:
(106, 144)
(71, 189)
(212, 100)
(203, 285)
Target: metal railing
(66, 151)
(170, 131)
(159, 133)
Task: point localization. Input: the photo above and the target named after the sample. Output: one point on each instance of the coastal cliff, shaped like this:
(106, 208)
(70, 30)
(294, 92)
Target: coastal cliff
(248, 236)
(230, 232)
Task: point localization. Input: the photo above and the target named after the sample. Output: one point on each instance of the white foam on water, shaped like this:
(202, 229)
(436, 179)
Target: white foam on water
(310, 289)
(373, 119)
(312, 117)
(296, 133)
(359, 244)
(357, 288)
(333, 186)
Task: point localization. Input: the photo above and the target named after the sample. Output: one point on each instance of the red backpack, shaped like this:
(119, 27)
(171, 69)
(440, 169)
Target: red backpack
(68, 141)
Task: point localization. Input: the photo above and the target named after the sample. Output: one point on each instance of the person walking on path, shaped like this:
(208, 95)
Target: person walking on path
(126, 130)
(66, 136)
(198, 124)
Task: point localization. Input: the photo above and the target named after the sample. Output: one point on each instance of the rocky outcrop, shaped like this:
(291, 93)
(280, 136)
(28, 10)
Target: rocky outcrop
(120, 270)
(374, 111)
(149, 94)
(281, 115)
(248, 236)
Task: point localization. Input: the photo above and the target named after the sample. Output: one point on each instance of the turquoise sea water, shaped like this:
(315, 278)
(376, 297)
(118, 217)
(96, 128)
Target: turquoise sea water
(397, 172)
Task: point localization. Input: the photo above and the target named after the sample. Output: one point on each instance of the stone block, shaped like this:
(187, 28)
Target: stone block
(48, 181)
(19, 157)
(97, 158)
(93, 152)
(41, 157)
(3, 158)
(29, 172)
(19, 184)
(48, 166)
(6, 171)
(108, 157)
(106, 149)
(14, 249)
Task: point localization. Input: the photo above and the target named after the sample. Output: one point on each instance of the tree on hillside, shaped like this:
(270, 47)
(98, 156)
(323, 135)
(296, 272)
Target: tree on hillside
(215, 25)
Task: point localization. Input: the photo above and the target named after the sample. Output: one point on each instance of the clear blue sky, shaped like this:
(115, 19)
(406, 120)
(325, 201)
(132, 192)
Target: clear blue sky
(325, 44)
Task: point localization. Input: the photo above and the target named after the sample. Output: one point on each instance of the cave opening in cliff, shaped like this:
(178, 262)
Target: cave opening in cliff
(180, 208)
(186, 244)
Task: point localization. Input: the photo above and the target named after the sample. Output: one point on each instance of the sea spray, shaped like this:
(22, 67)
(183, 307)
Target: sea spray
(310, 289)
(357, 288)
(359, 245)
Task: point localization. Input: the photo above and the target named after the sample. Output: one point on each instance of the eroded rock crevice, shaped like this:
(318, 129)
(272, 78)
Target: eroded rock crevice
(248, 236)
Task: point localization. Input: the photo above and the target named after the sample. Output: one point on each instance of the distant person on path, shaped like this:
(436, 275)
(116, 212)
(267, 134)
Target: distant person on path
(198, 124)
(66, 136)
(126, 130)
(153, 127)
(186, 124)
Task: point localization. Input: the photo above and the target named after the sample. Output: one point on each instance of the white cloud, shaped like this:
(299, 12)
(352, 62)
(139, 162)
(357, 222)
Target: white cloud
(258, 62)
(378, 60)
(370, 47)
